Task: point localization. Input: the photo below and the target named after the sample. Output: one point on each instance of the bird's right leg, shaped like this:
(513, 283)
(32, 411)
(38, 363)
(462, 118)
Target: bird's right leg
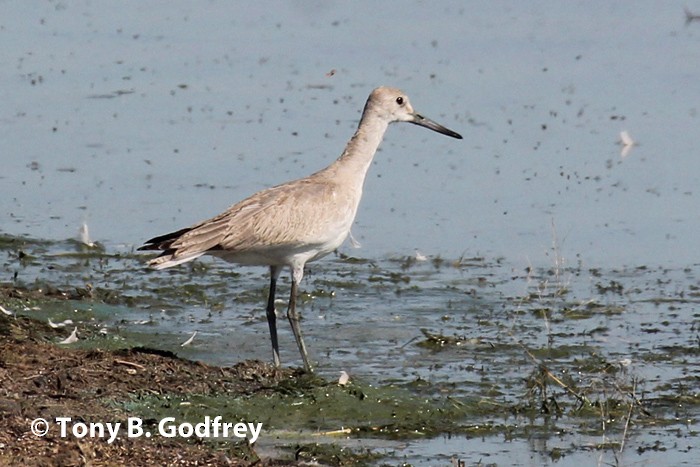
(271, 316)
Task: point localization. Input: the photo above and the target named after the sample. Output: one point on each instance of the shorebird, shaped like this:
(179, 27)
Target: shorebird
(297, 222)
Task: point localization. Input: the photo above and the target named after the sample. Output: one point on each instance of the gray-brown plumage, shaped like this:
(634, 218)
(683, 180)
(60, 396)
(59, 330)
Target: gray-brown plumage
(300, 221)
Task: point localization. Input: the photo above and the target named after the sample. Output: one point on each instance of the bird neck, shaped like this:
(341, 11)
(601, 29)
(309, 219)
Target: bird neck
(360, 150)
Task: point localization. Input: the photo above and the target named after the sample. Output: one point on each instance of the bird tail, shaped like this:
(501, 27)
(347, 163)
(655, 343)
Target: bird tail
(168, 259)
(169, 256)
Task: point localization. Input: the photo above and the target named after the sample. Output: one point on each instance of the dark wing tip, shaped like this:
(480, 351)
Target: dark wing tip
(163, 242)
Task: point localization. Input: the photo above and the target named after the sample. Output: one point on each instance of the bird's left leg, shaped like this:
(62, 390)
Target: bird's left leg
(293, 317)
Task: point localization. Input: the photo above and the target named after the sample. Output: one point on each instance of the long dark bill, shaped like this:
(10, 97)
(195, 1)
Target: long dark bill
(420, 120)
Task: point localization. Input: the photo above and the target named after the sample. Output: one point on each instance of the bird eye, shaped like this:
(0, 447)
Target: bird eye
(399, 100)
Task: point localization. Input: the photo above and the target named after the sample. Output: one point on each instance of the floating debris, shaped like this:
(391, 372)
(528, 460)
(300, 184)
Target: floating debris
(690, 16)
(112, 95)
(84, 236)
(344, 378)
(438, 341)
(627, 143)
(62, 324)
(72, 338)
(189, 341)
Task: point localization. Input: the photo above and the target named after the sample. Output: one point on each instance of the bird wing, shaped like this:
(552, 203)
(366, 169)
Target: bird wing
(300, 213)
(297, 213)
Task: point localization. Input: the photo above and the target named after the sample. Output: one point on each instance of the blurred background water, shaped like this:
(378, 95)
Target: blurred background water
(150, 117)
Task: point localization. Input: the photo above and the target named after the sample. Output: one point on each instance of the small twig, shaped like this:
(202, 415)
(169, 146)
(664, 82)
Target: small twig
(558, 260)
(629, 415)
(551, 375)
(342, 431)
(131, 364)
(561, 383)
(38, 375)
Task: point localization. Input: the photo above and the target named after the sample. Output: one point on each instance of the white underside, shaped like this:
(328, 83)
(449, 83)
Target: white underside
(294, 257)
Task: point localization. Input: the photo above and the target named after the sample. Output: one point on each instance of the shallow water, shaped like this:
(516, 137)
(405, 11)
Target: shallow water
(468, 333)
(145, 119)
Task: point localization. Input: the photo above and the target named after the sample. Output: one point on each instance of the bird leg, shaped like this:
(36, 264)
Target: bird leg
(293, 318)
(272, 317)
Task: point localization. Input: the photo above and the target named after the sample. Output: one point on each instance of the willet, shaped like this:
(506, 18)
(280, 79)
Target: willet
(300, 221)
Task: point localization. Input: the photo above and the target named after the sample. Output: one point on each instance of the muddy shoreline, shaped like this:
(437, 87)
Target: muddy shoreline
(43, 379)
